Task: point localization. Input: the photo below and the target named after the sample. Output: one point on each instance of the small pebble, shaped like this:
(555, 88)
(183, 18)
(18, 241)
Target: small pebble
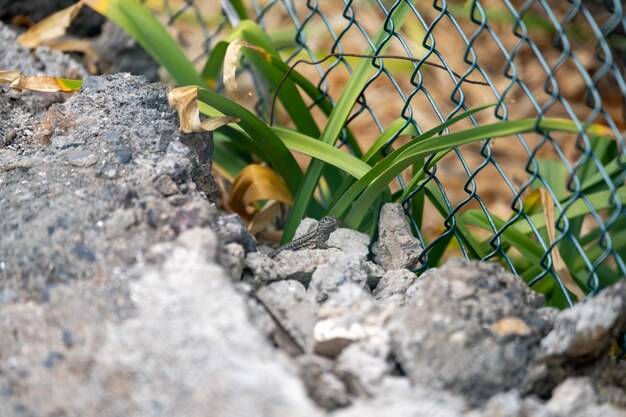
(124, 155)
(52, 359)
(10, 137)
(166, 185)
(67, 336)
(112, 137)
(177, 149)
(83, 252)
(81, 158)
(178, 200)
(109, 170)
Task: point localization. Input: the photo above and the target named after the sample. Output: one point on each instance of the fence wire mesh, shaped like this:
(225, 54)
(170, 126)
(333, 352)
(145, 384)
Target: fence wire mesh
(535, 58)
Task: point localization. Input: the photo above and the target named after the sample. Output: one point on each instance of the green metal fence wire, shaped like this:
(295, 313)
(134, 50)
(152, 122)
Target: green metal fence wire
(538, 58)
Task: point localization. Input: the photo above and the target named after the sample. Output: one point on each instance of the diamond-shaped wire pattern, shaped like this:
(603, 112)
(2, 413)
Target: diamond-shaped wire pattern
(537, 58)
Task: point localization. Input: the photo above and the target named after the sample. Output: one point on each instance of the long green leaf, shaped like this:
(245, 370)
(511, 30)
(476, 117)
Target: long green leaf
(339, 116)
(214, 64)
(433, 193)
(273, 69)
(525, 245)
(614, 170)
(604, 152)
(239, 7)
(401, 127)
(225, 158)
(274, 149)
(213, 67)
(314, 148)
(378, 178)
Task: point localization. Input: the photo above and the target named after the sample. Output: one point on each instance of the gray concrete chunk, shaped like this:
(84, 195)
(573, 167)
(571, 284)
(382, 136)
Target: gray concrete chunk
(396, 247)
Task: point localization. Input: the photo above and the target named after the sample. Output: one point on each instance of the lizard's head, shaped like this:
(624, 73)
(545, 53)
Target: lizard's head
(328, 224)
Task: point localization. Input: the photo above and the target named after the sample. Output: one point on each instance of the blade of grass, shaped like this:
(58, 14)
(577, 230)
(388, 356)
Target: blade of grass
(213, 66)
(273, 148)
(339, 116)
(239, 138)
(614, 170)
(273, 69)
(380, 175)
(401, 127)
(314, 148)
(392, 130)
(289, 95)
(525, 245)
(234, 6)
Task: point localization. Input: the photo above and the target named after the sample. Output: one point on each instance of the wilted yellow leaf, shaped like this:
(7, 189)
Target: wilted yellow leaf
(100, 6)
(559, 265)
(185, 101)
(51, 27)
(257, 183)
(46, 84)
(230, 67)
(9, 76)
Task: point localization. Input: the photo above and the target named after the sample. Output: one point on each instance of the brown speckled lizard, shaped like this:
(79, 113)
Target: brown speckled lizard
(315, 239)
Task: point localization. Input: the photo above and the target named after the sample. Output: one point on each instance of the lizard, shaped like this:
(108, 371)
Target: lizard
(315, 239)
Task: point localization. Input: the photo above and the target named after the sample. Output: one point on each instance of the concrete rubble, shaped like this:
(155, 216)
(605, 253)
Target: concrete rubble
(124, 290)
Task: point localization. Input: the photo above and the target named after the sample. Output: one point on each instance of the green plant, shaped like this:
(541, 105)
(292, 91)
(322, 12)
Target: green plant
(603, 191)
(355, 186)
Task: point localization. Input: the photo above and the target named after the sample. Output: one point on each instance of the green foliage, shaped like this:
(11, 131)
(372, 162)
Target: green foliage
(355, 186)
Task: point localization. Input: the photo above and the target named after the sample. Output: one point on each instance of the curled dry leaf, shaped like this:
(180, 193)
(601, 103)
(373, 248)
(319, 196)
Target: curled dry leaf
(46, 84)
(8, 76)
(257, 183)
(230, 67)
(185, 101)
(559, 265)
(51, 27)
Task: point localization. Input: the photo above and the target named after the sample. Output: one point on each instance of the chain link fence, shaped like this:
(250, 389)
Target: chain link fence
(535, 59)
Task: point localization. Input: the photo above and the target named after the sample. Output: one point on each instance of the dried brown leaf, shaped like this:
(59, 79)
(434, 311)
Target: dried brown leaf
(51, 27)
(45, 84)
(185, 101)
(257, 183)
(8, 76)
(230, 67)
(559, 265)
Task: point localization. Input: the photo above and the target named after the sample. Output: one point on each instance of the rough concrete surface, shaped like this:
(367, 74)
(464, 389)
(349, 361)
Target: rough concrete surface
(450, 334)
(93, 166)
(40, 61)
(396, 247)
(124, 291)
(152, 346)
(112, 300)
